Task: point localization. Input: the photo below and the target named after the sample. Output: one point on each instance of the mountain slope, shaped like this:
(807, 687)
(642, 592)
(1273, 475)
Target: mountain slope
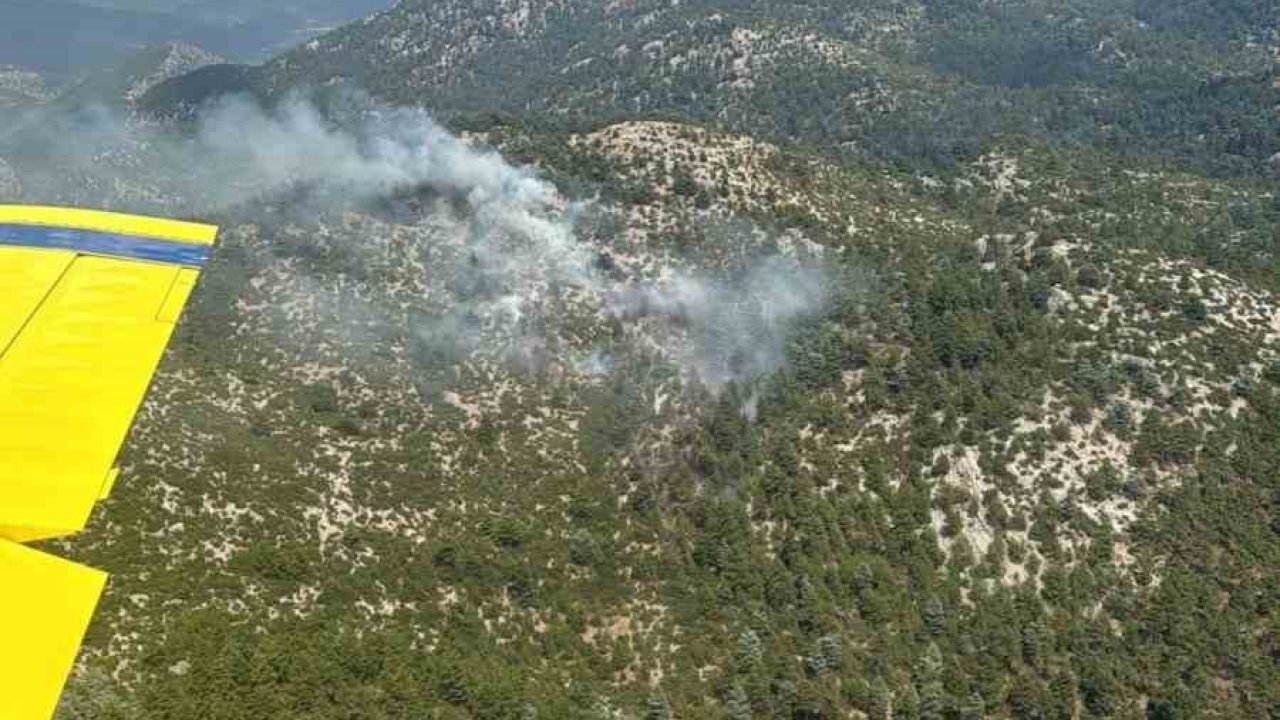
(970, 485)
(127, 80)
(20, 88)
(717, 414)
(62, 37)
(888, 79)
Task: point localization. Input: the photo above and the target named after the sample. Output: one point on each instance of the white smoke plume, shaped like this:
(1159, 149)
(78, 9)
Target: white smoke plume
(519, 232)
(736, 328)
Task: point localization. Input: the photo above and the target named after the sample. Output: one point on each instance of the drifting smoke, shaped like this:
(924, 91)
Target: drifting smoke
(737, 328)
(518, 232)
(240, 153)
(10, 187)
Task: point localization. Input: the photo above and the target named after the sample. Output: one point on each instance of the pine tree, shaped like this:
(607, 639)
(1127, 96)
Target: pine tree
(907, 705)
(973, 708)
(750, 651)
(827, 655)
(934, 616)
(658, 708)
(737, 705)
(1062, 695)
(933, 700)
(880, 702)
(864, 576)
(929, 667)
(784, 697)
(1033, 643)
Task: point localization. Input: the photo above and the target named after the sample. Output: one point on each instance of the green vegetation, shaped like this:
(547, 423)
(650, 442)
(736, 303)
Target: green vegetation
(909, 82)
(1025, 464)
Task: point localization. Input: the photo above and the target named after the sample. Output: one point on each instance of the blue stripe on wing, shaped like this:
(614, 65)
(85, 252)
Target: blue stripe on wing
(101, 243)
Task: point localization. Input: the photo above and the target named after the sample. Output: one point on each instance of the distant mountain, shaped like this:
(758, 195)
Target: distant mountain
(46, 133)
(125, 81)
(66, 36)
(62, 37)
(179, 96)
(21, 87)
(295, 13)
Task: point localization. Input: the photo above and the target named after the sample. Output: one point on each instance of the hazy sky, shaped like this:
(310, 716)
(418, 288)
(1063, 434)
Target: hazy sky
(67, 36)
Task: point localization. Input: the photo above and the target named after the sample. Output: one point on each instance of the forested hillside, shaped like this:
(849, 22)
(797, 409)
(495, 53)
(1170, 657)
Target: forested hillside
(904, 80)
(803, 360)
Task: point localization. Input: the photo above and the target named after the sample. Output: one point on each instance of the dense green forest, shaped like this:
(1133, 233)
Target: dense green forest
(885, 80)
(1023, 462)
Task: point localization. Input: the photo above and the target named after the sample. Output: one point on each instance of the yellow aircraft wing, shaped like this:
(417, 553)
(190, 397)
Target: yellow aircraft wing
(90, 300)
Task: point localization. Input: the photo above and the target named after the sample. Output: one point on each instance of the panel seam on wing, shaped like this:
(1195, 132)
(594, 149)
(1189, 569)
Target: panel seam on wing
(36, 309)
